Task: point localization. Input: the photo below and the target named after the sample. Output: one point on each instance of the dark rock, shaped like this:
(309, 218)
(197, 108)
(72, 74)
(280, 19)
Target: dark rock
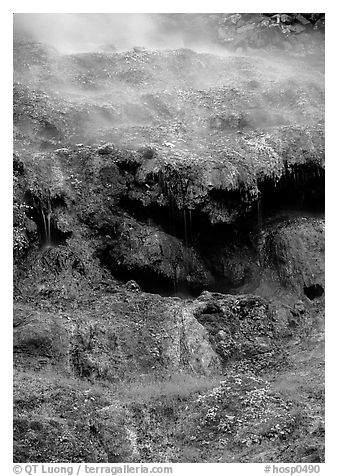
(31, 226)
(148, 153)
(302, 19)
(296, 28)
(235, 18)
(283, 319)
(265, 22)
(39, 336)
(105, 149)
(238, 326)
(253, 18)
(133, 286)
(299, 307)
(295, 249)
(285, 18)
(246, 28)
(129, 333)
(320, 24)
(222, 335)
(154, 256)
(18, 166)
(63, 151)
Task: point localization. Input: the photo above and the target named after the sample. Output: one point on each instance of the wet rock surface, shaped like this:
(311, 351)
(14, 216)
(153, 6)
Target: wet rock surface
(128, 375)
(169, 247)
(130, 333)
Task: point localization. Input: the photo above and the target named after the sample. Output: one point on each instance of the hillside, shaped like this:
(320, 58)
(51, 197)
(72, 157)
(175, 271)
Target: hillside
(169, 245)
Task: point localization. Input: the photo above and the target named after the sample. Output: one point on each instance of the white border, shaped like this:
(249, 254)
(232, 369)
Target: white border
(331, 199)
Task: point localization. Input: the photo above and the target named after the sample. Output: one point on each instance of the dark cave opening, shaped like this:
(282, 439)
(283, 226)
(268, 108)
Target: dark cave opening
(152, 282)
(313, 291)
(300, 189)
(299, 192)
(191, 226)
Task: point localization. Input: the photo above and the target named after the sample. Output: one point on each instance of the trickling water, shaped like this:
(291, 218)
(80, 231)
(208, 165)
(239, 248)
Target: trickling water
(172, 212)
(175, 281)
(185, 226)
(49, 237)
(46, 217)
(44, 223)
(259, 212)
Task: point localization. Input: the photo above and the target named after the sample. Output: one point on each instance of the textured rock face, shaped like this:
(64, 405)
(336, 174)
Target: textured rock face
(40, 338)
(223, 180)
(155, 217)
(135, 220)
(144, 251)
(182, 173)
(131, 333)
(239, 326)
(295, 251)
(60, 416)
(72, 367)
(207, 141)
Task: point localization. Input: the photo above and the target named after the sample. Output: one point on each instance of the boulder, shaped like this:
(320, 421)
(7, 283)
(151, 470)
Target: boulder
(295, 250)
(129, 334)
(239, 327)
(297, 28)
(246, 28)
(302, 19)
(150, 254)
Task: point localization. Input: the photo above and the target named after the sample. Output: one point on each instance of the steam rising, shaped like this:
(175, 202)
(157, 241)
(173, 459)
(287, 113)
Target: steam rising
(82, 32)
(149, 97)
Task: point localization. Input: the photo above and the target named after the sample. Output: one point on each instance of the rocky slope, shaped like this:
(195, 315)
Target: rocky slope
(169, 249)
